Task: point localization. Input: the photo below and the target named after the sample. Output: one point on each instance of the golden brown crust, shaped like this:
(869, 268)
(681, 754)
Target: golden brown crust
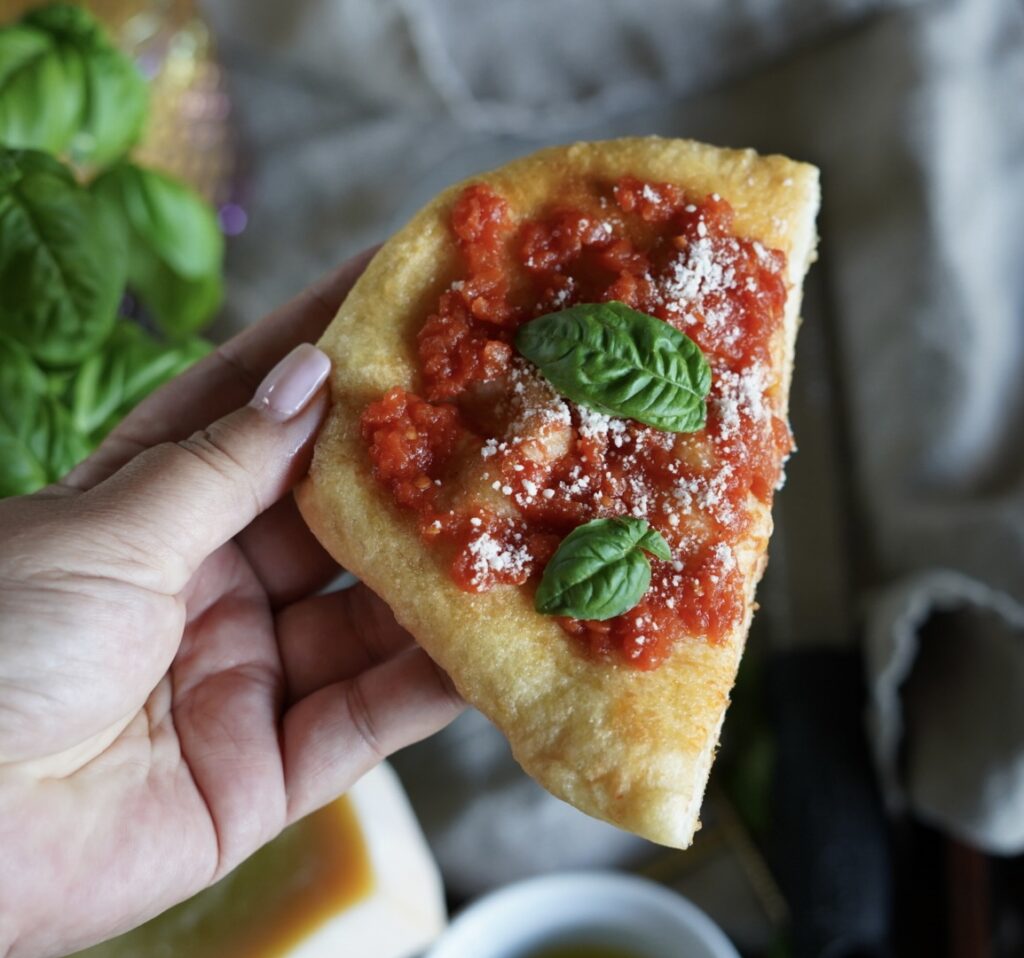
(631, 747)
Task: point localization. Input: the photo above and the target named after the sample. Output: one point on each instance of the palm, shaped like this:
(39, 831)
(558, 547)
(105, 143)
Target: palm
(172, 731)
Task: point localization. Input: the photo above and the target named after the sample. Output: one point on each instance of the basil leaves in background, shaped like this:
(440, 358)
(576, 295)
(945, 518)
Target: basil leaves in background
(37, 440)
(621, 362)
(70, 368)
(50, 421)
(62, 268)
(600, 570)
(128, 368)
(41, 91)
(175, 247)
(65, 89)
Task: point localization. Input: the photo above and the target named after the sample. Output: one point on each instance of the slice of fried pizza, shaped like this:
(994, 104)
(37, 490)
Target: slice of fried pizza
(558, 418)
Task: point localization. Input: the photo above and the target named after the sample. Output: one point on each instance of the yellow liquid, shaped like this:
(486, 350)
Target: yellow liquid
(583, 951)
(311, 871)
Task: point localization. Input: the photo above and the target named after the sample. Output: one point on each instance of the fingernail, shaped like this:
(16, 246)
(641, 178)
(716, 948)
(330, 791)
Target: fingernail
(292, 383)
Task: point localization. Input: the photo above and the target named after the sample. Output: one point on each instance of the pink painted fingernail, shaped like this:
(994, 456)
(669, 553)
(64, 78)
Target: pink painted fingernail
(292, 383)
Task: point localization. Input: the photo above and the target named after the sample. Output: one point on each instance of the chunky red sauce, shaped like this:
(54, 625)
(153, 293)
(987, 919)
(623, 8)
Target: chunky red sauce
(499, 469)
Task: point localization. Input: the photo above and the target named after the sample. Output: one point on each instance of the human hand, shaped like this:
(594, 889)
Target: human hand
(173, 692)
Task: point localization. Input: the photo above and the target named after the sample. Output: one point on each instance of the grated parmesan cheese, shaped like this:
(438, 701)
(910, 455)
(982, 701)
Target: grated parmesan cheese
(491, 556)
(697, 272)
(596, 425)
(740, 394)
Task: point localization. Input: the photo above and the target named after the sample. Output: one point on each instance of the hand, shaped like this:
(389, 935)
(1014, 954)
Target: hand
(173, 690)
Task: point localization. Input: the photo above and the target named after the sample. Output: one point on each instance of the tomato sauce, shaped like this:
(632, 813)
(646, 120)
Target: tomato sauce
(539, 465)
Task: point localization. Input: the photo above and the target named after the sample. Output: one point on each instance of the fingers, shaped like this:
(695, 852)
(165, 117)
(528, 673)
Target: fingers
(285, 555)
(335, 735)
(174, 504)
(225, 714)
(329, 638)
(222, 381)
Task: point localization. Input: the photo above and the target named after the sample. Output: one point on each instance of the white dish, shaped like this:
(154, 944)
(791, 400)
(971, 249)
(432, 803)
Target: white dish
(598, 908)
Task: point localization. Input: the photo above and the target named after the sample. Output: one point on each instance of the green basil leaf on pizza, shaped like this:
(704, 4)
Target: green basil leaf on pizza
(621, 362)
(601, 569)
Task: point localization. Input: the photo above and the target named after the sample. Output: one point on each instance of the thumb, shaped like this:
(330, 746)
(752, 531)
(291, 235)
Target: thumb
(179, 501)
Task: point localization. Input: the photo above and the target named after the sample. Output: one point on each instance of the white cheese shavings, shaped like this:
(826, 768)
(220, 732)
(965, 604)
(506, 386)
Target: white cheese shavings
(490, 556)
(563, 295)
(725, 556)
(740, 394)
(596, 425)
(697, 272)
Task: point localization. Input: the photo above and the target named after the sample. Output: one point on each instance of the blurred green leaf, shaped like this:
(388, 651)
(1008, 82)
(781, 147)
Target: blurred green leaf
(62, 261)
(38, 442)
(177, 225)
(130, 365)
(67, 88)
(66, 23)
(42, 90)
(117, 102)
(59, 383)
(175, 247)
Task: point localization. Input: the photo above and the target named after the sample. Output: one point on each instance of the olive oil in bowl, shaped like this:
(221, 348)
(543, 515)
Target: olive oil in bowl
(583, 951)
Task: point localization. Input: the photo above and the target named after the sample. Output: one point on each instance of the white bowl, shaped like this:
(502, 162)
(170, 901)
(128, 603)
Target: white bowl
(599, 908)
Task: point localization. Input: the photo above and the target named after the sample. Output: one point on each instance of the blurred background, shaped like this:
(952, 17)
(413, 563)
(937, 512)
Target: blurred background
(869, 796)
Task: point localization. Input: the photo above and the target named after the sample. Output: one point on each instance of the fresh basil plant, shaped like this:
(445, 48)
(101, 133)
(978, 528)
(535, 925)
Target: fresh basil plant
(601, 569)
(621, 362)
(66, 89)
(80, 225)
(38, 442)
(175, 248)
(129, 366)
(62, 268)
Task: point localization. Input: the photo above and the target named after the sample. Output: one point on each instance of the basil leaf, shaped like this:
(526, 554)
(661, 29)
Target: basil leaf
(175, 249)
(38, 443)
(621, 362)
(112, 95)
(61, 261)
(116, 106)
(180, 306)
(600, 570)
(66, 89)
(66, 23)
(59, 383)
(41, 90)
(130, 365)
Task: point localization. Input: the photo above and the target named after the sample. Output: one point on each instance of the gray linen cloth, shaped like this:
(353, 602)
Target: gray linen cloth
(355, 112)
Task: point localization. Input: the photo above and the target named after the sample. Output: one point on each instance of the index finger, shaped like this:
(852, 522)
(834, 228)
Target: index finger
(222, 381)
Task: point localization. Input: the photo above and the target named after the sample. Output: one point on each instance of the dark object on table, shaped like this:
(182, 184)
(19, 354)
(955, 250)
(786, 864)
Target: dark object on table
(831, 851)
